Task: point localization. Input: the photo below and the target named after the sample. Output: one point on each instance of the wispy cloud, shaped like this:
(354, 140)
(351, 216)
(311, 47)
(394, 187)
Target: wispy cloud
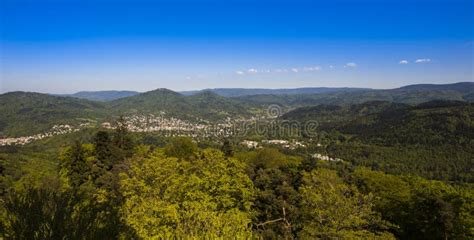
(403, 62)
(423, 60)
(311, 69)
(278, 70)
(351, 65)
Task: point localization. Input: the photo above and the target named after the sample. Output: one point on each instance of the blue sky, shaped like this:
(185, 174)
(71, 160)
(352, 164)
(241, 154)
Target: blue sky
(70, 45)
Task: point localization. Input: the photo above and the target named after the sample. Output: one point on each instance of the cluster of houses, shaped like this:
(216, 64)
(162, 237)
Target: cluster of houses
(55, 130)
(283, 143)
(326, 158)
(177, 127)
(289, 145)
(170, 126)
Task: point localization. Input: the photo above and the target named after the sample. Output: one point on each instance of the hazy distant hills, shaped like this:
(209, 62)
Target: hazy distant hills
(225, 92)
(463, 87)
(240, 92)
(412, 94)
(102, 95)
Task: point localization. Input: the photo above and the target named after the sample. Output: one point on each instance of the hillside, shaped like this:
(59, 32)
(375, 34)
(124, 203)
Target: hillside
(24, 113)
(387, 123)
(340, 113)
(431, 123)
(205, 105)
(434, 139)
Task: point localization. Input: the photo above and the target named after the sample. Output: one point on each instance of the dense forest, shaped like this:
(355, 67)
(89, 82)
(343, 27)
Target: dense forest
(433, 139)
(371, 169)
(108, 184)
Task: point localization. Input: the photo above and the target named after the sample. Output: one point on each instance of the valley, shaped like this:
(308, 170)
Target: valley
(425, 142)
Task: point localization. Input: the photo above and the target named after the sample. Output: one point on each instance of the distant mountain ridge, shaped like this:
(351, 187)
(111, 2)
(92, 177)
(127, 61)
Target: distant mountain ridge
(411, 94)
(466, 88)
(240, 92)
(102, 95)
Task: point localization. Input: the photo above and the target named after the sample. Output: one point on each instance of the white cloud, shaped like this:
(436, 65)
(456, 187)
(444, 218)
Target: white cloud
(295, 70)
(188, 78)
(331, 66)
(351, 65)
(239, 72)
(312, 69)
(252, 70)
(423, 60)
(403, 62)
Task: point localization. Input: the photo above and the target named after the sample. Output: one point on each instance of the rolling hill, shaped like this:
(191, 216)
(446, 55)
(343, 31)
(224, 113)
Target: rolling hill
(388, 123)
(205, 105)
(434, 139)
(24, 113)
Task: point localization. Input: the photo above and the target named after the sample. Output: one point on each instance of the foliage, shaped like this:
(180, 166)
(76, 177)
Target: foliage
(181, 147)
(434, 139)
(332, 209)
(421, 209)
(99, 184)
(208, 197)
(50, 214)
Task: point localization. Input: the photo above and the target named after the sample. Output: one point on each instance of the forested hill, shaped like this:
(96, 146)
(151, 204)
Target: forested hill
(434, 139)
(431, 123)
(206, 105)
(387, 123)
(24, 113)
(341, 113)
